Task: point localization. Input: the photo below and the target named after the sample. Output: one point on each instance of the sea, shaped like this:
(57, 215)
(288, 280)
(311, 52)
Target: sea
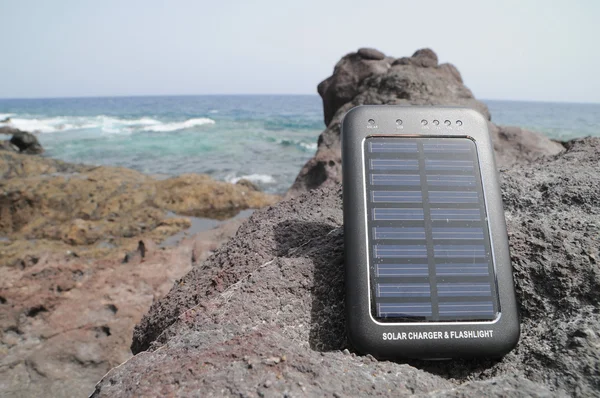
(262, 138)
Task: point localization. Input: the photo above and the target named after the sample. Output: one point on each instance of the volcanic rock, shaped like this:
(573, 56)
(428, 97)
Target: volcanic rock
(249, 184)
(13, 166)
(416, 80)
(65, 320)
(515, 145)
(26, 142)
(98, 209)
(68, 299)
(265, 314)
(22, 141)
(7, 130)
(5, 145)
(370, 53)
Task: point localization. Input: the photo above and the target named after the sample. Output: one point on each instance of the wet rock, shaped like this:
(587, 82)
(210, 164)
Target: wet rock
(26, 142)
(200, 196)
(249, 184)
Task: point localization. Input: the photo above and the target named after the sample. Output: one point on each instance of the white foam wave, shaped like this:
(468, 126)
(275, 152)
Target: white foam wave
(260, 178)
(106, 124)
(311, 147)
(180, 125)
(47, 125)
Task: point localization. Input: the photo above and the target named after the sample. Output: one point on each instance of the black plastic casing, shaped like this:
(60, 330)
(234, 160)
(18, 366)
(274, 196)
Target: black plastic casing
(365, 333)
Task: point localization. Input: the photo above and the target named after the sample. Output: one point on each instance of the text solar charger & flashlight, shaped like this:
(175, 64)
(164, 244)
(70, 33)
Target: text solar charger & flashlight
(428, 272)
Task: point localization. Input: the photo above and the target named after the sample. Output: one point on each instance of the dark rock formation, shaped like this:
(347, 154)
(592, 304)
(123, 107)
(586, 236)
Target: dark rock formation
(368, 77)
(27, 143)
(22, 140)
(265, 314)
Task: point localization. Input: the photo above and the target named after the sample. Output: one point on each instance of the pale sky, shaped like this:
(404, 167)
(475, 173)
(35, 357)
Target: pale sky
(516, 50)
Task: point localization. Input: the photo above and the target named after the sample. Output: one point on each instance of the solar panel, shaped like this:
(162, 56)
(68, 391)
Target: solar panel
(429, 246)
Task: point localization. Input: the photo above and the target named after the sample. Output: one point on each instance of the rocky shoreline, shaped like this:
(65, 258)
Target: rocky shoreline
(262, 313)
(81, 260)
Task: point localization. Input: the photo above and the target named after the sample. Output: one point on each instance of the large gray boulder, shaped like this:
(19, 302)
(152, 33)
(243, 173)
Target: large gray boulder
(368, 77)
(264, 316)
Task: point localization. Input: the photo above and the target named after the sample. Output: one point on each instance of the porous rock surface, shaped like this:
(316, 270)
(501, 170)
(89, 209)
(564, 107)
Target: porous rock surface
(80, 263)
(66, 320)
(368, 77)
(264, 316)
(49, 205)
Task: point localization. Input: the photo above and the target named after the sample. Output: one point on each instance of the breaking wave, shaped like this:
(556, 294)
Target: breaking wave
(180, 125)
(257, 178)
(306, 146)
(106, 124)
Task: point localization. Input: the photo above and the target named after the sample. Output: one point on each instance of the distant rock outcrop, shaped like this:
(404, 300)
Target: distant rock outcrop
(22, 141)
(264, 316)
(368, 77)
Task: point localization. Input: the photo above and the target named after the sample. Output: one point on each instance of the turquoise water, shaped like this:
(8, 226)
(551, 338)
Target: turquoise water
(561, 121)
(266, 139)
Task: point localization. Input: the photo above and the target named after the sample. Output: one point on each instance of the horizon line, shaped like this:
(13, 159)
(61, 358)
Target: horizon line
(255, 95)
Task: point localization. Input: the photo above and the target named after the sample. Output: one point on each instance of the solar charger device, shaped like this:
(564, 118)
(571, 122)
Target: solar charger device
(428, 272)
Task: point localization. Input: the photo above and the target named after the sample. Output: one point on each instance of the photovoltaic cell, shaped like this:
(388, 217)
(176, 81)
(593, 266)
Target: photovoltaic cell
(395, 179)
(403, 290)
(397, 214)
(459, 233)
(395, 233)
(401, 310)
(455, 214)
(406, 270)
(400, 251)
(430, 251)
(450, 180)
(394, 164)
(394, 147)
(451, 165)
(396, 196)
(453, 197)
